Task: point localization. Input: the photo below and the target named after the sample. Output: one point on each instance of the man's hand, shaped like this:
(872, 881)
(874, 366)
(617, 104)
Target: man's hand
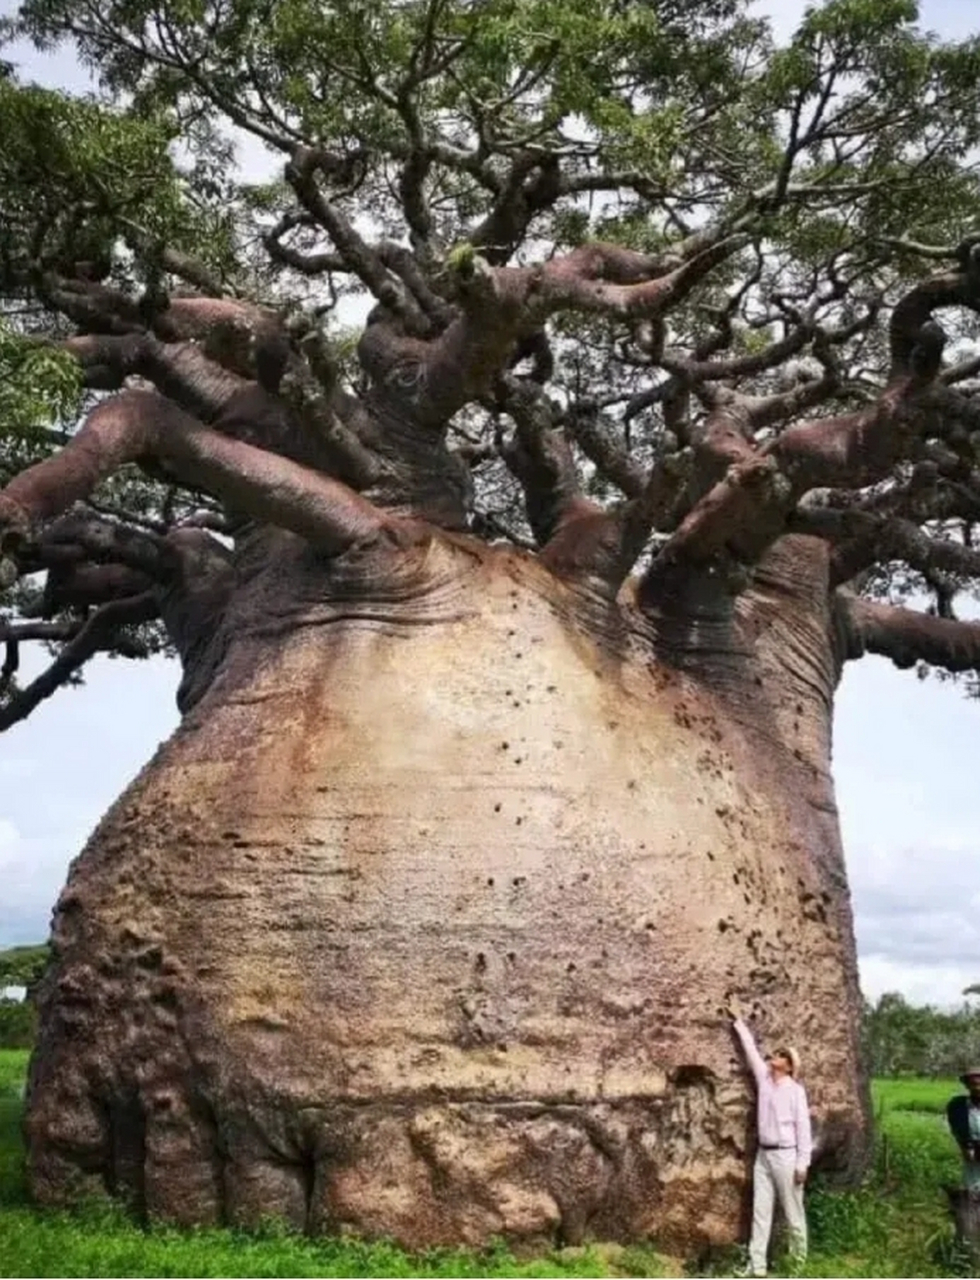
(734, 1009)
(799, 1177)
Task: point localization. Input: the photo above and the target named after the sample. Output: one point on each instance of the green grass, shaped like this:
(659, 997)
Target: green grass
(896, 1225)
(913, 1093)
(13, 1069)
(100, 1241)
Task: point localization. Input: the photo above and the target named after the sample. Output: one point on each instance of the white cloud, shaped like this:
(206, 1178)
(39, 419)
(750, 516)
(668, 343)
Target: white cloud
(935, 984)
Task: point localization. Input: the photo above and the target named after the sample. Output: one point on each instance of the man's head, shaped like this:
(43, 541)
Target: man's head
(784, 1062)
(971, 1079)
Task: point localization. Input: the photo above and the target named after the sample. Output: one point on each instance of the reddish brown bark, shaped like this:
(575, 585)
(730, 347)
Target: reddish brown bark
(907, 637)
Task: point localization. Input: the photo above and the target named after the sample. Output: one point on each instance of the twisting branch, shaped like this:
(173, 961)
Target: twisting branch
(95, 634)
(183, 265)
(862, 447)
(82, 585)
(740, 366)
(532, 185)
(539, 457)
(97, 309)
(34, 629)
(916, 344)
(81, 536)
(180, 370)
(355, 251)
(502, 304)
(578, 538)
(749, 506)
(236, 405)
(583, 423)
(395, 257)
(13, 633)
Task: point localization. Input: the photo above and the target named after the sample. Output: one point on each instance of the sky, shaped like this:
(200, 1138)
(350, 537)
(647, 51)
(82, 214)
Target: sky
(907, 783)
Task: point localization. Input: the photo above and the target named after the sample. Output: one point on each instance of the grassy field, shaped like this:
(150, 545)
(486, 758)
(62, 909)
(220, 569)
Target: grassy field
(895, 1226)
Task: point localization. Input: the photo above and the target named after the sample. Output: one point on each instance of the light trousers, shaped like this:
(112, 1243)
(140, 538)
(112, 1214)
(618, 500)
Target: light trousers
(772, 1180)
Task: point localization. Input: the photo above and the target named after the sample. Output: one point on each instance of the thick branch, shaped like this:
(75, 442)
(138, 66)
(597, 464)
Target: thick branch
(183, 265)
(539, 457)
(879, 538)
(139, 424)
(601, 447)
(180, 371)
(862, 447)
(235, 405)
(908, 637)
(85, 585)
(98, 309)
(81, 536)
(12, 634)
(502, 304)
(731, 526)
(914, 311)
(36, 629)
(394, 257)
(740, 366)
(532, 185)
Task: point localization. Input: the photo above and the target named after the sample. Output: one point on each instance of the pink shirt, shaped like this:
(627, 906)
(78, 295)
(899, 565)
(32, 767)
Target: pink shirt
(784, 1116)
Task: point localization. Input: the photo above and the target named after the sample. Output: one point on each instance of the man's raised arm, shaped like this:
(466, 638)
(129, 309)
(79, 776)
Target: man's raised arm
(752, 1054)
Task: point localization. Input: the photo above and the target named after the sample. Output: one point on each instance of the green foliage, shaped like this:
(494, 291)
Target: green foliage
(692, 97)
(70, 168)
(23, 966)
(900, 1038)
(13, 1069)
(461, 258)
(915, 1094)
(19, 967)
(898, 1224)
(18, 1022)
(39, 388)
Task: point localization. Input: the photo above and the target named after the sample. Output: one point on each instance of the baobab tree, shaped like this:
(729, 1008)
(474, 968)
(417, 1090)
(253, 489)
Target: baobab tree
(513, 474)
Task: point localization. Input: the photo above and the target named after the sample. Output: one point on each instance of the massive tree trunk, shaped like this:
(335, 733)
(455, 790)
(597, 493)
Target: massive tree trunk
(423, 921)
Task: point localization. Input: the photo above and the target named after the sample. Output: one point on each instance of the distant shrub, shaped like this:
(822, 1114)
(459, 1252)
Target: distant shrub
(18, 1022)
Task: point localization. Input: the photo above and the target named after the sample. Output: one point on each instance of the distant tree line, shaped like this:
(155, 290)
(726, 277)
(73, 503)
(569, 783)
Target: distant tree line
(906, 1039)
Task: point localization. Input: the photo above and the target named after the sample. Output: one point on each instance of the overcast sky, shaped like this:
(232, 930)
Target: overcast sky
(906, 777)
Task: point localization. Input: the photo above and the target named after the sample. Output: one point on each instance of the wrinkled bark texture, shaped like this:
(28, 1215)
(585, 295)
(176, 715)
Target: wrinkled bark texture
(422, 923)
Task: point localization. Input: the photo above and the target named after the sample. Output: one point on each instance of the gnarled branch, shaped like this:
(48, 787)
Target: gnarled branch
(138, 424)
(883, 538)
(502, 304)
(539, 457)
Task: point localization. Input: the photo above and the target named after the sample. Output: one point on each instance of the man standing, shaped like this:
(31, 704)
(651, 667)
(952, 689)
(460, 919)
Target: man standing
(785, 1146)
(963, 1117)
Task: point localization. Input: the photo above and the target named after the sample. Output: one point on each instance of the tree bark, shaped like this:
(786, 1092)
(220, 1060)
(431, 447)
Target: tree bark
(423, 922)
